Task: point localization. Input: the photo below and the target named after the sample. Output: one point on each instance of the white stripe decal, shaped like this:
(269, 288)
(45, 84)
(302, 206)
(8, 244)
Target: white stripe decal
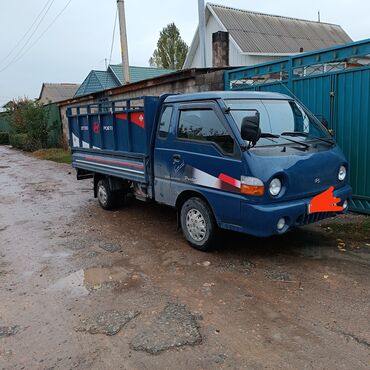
(109, 166)
(76, 142)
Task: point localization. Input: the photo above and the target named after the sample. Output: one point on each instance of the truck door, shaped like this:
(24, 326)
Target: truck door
(205, 157)
(163, 156)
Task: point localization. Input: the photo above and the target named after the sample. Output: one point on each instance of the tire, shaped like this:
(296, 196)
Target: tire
(108, 199)
(198, 224)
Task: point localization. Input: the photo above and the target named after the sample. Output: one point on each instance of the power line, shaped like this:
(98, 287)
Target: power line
(111, 49)
(113, 36)
(40, 36)
(30, 37)
(26, 33)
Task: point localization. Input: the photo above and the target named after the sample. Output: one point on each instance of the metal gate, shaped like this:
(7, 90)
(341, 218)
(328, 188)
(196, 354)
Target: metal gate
(335, 85)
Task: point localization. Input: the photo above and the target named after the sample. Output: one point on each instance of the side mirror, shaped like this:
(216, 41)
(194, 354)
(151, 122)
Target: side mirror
(250, 129)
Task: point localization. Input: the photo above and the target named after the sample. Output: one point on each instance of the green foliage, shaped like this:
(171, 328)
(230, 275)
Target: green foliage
(171, 49)
(54, 154)
(20, 141)
(4, 138)
(28, 120)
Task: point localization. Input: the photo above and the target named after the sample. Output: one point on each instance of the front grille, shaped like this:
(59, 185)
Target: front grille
(313, 217)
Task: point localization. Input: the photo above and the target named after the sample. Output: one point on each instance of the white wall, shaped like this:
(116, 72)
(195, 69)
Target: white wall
(236, 59)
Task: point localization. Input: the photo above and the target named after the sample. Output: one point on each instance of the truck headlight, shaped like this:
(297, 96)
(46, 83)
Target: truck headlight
(251, 186)
(342, 173)
(275, 187)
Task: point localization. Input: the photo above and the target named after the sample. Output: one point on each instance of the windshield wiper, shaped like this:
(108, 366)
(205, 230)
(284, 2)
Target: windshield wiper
(268, 135)
(275, 136)
(305, 134)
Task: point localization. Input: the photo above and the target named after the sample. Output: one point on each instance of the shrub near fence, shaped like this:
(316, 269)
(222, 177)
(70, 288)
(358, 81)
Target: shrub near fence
(20, 141)
(4, 138)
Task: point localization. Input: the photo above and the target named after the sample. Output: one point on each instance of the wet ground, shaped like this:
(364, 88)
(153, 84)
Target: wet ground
(82, 288)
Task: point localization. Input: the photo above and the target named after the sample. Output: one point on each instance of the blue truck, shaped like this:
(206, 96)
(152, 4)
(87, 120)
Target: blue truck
(244, 161)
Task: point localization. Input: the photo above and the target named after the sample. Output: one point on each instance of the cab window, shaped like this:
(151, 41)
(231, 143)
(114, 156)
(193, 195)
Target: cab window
(204, 125)
(164, 122)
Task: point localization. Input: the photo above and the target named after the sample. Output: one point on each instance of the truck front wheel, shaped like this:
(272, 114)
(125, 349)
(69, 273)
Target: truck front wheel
(107, 198)
(198, 224)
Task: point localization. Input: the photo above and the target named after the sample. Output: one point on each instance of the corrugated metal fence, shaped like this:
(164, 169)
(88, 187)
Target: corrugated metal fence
(54, 125)
(335, 85)
(4, 124)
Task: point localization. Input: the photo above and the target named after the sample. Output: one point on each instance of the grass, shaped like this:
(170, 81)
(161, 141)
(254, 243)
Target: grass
(54, 154)
(356, 231)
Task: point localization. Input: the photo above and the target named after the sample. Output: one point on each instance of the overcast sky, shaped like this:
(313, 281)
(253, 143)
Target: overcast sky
(81, 37)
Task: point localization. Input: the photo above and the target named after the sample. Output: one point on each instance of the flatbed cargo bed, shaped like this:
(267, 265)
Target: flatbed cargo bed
(113, 138)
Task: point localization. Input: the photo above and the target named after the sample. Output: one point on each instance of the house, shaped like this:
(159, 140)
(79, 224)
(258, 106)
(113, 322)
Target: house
(56, 92)
(113, 77)
(257, 38)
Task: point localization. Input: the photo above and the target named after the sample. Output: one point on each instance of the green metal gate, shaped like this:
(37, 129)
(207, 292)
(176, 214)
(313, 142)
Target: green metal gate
(335, 85)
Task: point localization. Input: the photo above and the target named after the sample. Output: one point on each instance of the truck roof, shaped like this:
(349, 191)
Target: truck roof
(212, 95)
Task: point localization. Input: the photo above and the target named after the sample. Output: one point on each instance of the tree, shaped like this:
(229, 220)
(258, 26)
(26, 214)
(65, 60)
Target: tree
(28, 120)
(171, 49)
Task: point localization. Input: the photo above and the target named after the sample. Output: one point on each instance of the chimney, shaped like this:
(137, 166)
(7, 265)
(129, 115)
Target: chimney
(220, 49)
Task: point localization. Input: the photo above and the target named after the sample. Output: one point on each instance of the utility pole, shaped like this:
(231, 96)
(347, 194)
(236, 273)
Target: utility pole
(124, 44)
(202, 33)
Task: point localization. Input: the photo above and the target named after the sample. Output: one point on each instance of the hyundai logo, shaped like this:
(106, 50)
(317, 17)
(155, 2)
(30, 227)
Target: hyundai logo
(317, 180)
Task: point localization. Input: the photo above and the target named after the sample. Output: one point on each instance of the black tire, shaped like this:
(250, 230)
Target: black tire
(108, 199)
(200, 234)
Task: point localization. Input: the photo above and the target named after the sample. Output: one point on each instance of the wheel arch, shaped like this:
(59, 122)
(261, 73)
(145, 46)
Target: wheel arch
(184, 196)
(97, 178)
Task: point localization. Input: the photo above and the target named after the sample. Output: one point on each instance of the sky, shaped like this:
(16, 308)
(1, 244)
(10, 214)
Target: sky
(80, 38)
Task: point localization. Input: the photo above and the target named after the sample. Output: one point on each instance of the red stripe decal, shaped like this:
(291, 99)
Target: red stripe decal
(137, 118)
(114, 162)
(122, 116)
(229, 180)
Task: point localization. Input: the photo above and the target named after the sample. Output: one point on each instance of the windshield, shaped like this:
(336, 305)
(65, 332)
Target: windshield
(278, 117)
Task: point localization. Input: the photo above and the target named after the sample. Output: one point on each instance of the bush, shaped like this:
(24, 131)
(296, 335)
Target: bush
(21, 141)
(4, 138)
(28, 121)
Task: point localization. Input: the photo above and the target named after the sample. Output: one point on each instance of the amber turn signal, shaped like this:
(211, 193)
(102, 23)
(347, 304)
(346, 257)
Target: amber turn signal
(252, 186)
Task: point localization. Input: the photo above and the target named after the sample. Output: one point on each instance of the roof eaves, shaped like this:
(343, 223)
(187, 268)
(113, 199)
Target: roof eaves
(114, 74)
(209, 6)
(268, 54)
(270, 15)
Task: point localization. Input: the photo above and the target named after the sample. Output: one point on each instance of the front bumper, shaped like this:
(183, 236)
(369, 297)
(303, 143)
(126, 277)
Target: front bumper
(261, 220)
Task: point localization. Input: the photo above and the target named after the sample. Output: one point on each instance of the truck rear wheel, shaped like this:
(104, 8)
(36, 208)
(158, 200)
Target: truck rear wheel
(198, 224)
(108, 199)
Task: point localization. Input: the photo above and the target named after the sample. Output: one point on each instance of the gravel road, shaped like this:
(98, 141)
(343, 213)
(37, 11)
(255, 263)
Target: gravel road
(83, 288)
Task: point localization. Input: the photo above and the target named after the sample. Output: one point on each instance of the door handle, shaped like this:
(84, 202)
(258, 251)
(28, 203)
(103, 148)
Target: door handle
(176, 157)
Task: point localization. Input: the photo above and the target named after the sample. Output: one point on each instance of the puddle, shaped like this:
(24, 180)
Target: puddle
(317, 252)
(83, 282)
(73, 283)
(55, 255)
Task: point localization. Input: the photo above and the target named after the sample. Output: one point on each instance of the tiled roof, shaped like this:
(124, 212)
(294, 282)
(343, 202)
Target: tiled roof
(139, 73)
(113, 77)
(97, 81)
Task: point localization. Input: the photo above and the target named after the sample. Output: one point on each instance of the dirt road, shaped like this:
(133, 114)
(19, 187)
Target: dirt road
(82, 288)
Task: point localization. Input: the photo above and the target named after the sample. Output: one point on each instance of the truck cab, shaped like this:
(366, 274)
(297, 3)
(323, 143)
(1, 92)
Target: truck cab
(251, 162)
(262, 186)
